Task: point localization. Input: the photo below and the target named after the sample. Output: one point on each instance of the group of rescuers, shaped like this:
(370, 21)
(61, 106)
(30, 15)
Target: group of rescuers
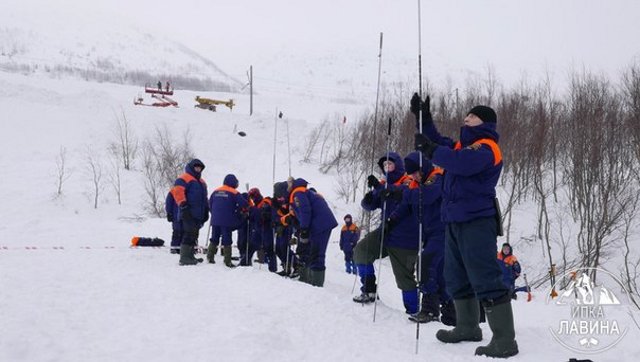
(460, 279)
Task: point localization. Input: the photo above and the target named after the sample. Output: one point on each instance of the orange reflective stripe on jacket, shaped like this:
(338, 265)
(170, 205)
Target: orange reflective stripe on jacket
(264, 201)
(227, 188)
(283, 219)
(436, 171)
(509, 260)
(495, 149)
(353, 227)
(178, 192)
(295, 191)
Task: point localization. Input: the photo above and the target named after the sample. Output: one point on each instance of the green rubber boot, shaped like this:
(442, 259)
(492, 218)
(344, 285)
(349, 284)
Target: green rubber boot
(466, 329)
(211, 253)
(187, 256)
(503, 343)
(316, 277)
(226, 250)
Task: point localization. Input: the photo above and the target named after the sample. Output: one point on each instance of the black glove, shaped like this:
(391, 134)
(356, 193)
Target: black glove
(293, 240)
(368, 198)
(418, 105)
(423, 144)
(372, 181)
(389, 194)
(170, 217)
(304, 236)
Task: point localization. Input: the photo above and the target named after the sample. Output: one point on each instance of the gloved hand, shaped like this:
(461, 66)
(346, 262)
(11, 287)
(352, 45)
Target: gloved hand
(423, 144)
(391, 194)
(169, 217)
(372, 181)
(293, 240)
(418, 105)
(304, 236)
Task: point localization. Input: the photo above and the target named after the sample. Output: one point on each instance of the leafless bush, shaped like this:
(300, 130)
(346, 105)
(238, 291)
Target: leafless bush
(114, 177)
(163, 161)
(62, 173)
(95, 173)
(126, 145)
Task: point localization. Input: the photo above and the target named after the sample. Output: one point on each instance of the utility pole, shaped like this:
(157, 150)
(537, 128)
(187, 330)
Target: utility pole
(251, 90)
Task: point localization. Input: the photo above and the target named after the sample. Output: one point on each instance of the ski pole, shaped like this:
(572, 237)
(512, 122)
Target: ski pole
(373, 146)
(419, 120)
(382, 228)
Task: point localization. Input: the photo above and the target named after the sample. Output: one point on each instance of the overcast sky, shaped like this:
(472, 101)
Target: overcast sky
(458, 37)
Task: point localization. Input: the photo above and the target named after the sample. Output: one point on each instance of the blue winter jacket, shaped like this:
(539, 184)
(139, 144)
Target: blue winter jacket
(404, 234)
(432, 225)
(190, 191)
(472, 171)
(226, 204)
(349, 236)
(310, 209)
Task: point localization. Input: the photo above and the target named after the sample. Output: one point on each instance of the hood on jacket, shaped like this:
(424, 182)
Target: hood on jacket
(396, 174)
(231, 181)
(412, 163)
(469, 135)
(190, 167)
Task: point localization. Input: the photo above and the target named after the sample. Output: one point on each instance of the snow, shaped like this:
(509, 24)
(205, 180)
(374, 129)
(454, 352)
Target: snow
(96, 299)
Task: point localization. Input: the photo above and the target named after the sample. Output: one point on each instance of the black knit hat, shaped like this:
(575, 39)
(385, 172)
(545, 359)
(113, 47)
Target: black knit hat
(486, 114)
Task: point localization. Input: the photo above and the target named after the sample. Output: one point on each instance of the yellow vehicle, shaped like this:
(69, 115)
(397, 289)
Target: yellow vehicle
(210, 104)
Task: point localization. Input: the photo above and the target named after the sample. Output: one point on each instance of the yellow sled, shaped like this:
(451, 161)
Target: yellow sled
(210, 104)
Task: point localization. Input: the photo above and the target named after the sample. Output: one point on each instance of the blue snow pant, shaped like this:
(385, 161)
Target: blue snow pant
(176, 234)
(268, 247)
(282, 248)
(223, 232)
(318, 243)
(432, 274)
(470, 265)
(244, 246)
(348, 262)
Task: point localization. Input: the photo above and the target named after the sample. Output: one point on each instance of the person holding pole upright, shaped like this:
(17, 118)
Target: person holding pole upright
(472, 168)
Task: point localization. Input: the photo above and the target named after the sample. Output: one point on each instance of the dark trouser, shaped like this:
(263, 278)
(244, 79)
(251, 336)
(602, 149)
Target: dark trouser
(283, 249)
(176, 234)
(267, 247)
(470, 265)
(243, 240)
(318, 243)
(224, 233)
(402, 262)
(432, 274)
(190, 232)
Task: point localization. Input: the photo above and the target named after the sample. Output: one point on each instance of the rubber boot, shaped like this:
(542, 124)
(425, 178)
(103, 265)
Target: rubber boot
(211, 253)
(187, 256)
(316, 277)
(227, 256)
(503, 343)
(304, 275)
(466, 329)
(260, 256)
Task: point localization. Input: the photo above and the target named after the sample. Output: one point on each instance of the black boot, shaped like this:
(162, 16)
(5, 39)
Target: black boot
(503, 343)
(429, 309)
(467, 329)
